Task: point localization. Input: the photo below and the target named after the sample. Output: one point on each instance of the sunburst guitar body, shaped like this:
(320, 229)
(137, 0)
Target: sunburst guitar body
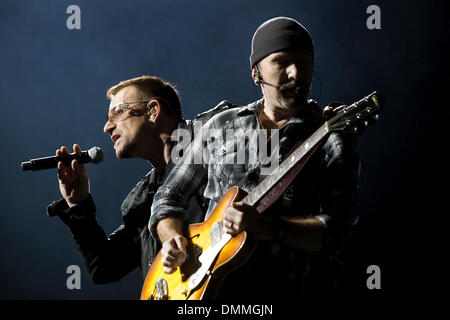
(211, 254)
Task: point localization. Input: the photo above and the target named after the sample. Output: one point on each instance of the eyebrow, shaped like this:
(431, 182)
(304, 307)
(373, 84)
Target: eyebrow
(113, 106)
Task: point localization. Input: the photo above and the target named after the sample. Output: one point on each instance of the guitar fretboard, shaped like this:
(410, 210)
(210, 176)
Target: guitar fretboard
(272, 179)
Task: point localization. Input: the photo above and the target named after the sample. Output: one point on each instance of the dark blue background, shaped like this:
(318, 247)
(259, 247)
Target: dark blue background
(52, 92)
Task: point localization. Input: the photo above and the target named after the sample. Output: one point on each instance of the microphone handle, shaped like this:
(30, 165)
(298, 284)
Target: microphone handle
(52, 162)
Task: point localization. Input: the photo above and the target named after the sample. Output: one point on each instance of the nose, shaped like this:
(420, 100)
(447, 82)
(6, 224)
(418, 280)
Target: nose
(109, 127)
(293, 71)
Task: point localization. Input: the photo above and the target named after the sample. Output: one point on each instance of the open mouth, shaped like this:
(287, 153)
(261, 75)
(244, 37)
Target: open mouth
(115, 137)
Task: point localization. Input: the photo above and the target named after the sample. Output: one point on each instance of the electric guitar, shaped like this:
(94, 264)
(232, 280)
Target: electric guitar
(211, 253)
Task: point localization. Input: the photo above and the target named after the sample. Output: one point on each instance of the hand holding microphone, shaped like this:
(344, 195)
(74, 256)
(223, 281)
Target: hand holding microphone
(72, 175)
(73, 179)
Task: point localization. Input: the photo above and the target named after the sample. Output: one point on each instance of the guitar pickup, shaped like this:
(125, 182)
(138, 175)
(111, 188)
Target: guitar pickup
(216, 232)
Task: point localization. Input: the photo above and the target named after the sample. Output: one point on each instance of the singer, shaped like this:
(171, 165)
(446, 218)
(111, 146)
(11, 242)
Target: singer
(142, 115)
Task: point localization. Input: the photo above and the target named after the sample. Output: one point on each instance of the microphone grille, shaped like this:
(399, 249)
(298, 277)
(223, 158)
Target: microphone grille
(96, 154)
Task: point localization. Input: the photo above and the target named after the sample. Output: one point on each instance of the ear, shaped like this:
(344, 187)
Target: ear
(154, 109)
(255, 76)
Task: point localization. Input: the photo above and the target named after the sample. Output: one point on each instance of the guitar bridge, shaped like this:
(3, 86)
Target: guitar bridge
(161, 290)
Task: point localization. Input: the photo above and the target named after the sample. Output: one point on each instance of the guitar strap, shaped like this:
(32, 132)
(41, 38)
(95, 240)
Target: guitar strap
(277, 190)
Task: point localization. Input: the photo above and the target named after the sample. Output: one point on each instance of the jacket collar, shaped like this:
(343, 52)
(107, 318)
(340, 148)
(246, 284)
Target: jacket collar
(255, 107)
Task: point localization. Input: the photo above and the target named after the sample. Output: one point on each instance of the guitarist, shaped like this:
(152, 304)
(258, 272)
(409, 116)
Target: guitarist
(307, 225)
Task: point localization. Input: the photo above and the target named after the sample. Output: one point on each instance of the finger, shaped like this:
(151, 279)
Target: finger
(74, 165)
(228, 226)
(228, 218)
(231, 212)
(170, 250)
(64, 150)
(230, 230)
(168, 261)
(181, 245)
(172, 254)
(235, 216)
(166, 251)
(80, 169)
(60, 172)
(227, 229)
(240, 206)
(65, 174)
(76, 148)
(169, 270)
(59, 154)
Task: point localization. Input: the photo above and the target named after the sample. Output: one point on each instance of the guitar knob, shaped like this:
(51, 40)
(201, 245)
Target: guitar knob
(376, 117)
(355, 130)
(366, 124)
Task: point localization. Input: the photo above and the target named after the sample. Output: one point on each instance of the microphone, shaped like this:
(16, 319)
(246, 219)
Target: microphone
(94, 155)
(261, 81)
(296, 89)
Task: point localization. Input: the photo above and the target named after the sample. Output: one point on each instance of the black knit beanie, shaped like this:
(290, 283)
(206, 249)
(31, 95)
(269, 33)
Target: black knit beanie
(278, 34)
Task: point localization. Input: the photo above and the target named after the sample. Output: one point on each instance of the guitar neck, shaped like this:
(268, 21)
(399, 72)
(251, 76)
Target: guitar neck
(297, 155)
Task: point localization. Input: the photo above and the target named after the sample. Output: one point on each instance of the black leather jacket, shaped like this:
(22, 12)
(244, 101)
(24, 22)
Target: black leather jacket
(109, 258)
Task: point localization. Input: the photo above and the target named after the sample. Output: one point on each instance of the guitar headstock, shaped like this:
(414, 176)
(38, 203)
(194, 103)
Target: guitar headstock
(357, 115)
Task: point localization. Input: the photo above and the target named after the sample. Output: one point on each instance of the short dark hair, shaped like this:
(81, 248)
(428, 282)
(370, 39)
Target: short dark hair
(154, 87)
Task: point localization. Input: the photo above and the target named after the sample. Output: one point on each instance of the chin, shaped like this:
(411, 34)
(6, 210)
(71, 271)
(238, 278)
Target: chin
(294, 104)
(119, 154)
(124, 152)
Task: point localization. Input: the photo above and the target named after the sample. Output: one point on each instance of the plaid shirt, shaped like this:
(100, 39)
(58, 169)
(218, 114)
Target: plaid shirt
(325, 188)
